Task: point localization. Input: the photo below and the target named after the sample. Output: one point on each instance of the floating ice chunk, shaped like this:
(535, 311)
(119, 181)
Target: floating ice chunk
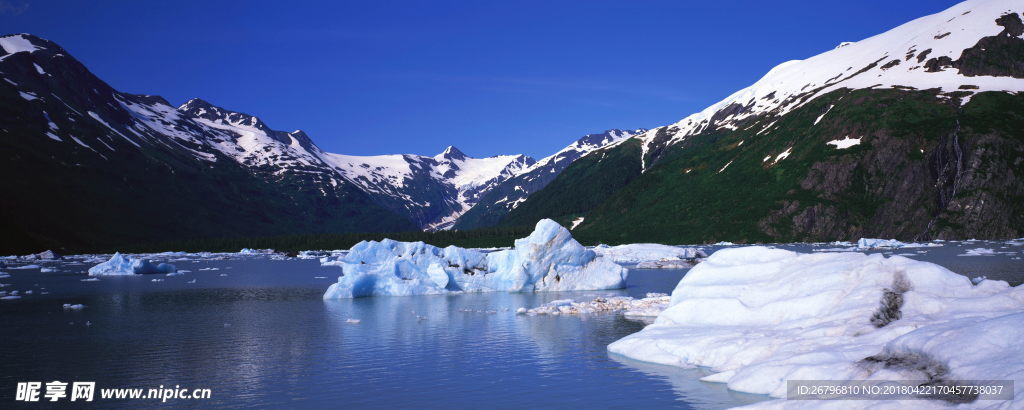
(248, 251)
(979, 252)
(648, 252)
(649, 306)
(547, 260)
(725, 243)
(24, 267)
(47, 270)
(123, 265)
(91, 280)
(10, 297)
(668, 264)
(352, 321)
(760, 316)
(872, 243)
(78, 306)
(45, 255)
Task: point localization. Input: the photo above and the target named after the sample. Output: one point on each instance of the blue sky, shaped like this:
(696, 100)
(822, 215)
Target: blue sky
(490, 77)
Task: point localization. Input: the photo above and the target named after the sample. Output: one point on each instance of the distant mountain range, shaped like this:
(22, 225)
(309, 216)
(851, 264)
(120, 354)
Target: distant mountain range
(914, 133)
(86, 165)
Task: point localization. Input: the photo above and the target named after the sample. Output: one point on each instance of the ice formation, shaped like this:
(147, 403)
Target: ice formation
(761, 316)
(649, 306)
(123, 265)
(872, 243)
(547, 260)
(648, 252)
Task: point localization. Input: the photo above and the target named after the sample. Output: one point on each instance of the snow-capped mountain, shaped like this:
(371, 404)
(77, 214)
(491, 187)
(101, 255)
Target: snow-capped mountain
(238, 175)
(88, 166)
(913, 133)
(430, 191)
(434, 191)
(506, 196)
(948, 51)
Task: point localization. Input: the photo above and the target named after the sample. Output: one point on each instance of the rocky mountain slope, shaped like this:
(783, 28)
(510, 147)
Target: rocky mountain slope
(914, 133)
(87, 165)
(492, 207)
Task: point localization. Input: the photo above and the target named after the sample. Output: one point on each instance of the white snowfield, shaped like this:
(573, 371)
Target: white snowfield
(761, 316)
(648, 252)
(547, 260)
(123, 265)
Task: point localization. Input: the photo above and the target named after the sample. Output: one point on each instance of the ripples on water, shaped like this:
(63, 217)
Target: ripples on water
(262, 336)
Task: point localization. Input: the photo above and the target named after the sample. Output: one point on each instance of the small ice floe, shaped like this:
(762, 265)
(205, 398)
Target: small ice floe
(10, 297)
(725, 243)
(156, 280)
(91, 280)
(209, 268)
(24, 267)
(77, 306)
(873, 243)
(47, 270)
(649, 306)
(28, 292)
(319, 277)
(4, 275)
(88, 323)
(352, 321)
(979, 252)
(184, 271)
(223, 274)
(124, 265)
(175, 274)
(648, 252)
(667, 264)
(978, 279)
(191, 281)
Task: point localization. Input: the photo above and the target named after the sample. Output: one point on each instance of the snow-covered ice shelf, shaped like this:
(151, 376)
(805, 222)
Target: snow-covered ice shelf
(760, 316)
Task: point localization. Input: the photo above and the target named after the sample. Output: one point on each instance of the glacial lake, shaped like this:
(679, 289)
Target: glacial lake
(257, 333)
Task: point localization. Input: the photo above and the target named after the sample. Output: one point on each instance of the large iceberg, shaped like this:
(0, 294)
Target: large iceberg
(123, 265)
(760, 316)
(648, 252)
(547, 260)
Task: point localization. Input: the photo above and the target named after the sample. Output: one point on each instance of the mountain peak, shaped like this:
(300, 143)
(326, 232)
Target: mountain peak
(24, 42)
(452, 153)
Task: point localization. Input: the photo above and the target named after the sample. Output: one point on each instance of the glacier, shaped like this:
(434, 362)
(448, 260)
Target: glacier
(124, 265)
(759, 316)
(549, 259)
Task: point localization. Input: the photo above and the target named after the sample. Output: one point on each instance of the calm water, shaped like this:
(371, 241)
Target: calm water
(262, 336)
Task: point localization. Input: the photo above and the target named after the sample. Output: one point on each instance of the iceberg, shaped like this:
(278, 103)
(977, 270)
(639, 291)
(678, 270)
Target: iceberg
(759, 317)
(547, 260)
(872, 243)
(123, 265)
(648, 252)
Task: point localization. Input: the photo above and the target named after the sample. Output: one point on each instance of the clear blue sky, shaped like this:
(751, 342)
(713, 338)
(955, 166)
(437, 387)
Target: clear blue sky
(490, 77)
